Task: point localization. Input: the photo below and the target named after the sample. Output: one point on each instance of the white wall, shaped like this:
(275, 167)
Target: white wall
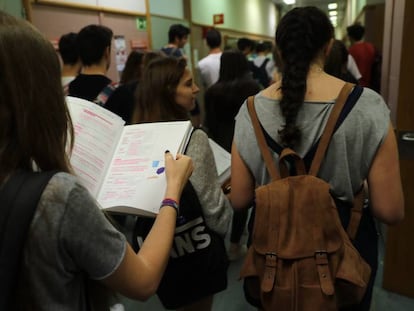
(250, 16)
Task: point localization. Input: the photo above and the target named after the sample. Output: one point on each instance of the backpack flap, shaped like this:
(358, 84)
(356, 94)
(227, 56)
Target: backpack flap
(288, 229)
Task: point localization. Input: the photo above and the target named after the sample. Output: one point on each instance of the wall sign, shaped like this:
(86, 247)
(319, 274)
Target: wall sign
(218, 19)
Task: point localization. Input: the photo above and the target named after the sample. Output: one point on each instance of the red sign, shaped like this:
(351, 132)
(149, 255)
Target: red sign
(218, 19)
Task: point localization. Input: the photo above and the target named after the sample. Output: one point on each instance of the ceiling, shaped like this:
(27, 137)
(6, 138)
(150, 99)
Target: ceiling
(321, 4)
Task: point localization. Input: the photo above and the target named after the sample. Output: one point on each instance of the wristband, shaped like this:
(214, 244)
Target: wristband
(172, 203)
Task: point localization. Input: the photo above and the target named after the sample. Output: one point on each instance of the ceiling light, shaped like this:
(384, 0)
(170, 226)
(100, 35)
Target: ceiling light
(333, 18)
(288, 2)
(332, 6)
(333, 13)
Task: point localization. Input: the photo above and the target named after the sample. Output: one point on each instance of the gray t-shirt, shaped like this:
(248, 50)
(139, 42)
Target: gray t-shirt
(69, 239)
(350, 153)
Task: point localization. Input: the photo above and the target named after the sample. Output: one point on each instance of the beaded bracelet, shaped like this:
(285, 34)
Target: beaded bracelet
(171, 202)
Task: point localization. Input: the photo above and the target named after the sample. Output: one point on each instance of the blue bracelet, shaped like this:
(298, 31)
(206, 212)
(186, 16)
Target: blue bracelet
(172, 203)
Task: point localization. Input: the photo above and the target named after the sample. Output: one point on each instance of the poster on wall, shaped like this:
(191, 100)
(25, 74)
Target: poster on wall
(120, 52)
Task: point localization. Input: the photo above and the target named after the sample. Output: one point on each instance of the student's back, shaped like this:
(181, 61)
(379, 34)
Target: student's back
(294, 112)
(224, 99)
(94, 43)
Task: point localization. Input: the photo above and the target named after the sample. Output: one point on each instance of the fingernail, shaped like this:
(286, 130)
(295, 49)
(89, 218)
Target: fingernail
(166, 151)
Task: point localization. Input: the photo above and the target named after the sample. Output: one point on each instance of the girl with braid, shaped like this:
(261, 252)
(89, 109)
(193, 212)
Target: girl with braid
(294, 112)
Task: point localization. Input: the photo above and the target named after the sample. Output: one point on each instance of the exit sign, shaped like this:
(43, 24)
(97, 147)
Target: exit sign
(141, 23)
(218, 19)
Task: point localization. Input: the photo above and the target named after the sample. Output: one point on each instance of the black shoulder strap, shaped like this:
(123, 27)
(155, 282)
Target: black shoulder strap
(349, 105)
(19, 197)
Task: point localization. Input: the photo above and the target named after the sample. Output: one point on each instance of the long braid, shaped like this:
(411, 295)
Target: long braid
(300, 36)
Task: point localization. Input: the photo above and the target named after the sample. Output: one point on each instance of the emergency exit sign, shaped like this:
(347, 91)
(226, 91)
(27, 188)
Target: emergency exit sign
(141, 23)
(218, 19)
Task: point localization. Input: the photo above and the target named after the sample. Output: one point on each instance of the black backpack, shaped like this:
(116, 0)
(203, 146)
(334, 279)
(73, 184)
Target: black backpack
(198, 262)
(19, 198)
(260, 73)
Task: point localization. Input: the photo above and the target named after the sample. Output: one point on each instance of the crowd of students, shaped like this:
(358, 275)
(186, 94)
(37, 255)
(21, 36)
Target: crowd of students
(74, 258)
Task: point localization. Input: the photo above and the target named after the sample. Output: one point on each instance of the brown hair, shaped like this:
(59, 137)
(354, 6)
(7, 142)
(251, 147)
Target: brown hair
(155, 97)
(35, 122)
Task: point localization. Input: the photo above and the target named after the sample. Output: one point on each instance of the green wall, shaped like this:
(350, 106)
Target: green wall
(170, 8)
(250, 16)
(13, 7)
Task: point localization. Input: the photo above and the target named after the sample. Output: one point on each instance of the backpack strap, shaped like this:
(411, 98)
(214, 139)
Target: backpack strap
(106, 92)
(19, 197)
(329, 129)
(263, 65)
(356, 214)
(349, 105)
(267, 156)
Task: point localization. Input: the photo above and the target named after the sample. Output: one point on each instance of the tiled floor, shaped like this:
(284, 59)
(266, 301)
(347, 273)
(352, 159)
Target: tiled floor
(232, 299)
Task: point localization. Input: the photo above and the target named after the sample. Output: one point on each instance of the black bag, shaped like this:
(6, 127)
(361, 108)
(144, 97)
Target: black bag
(198, 262)
(19, 198)
(260, 73)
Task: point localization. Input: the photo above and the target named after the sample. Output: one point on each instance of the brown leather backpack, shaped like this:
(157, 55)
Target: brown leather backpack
(301, 258)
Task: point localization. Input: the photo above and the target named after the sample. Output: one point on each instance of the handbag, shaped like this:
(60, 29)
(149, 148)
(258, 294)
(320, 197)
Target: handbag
(198, 262)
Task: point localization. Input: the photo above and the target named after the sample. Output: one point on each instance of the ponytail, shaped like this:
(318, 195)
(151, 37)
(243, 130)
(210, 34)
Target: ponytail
(300, 36)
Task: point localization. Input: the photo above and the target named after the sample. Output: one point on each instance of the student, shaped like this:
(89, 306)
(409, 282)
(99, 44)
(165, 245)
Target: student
(177, 39)
(246, 46)
(262, 66)
(121, 102)
(209, 66)
(337, 61)
(363, 53)
(166, 93)
(133, 68)
(222, 102)
(69, 53)
(70, 243)
(294, 111)
(94, 42)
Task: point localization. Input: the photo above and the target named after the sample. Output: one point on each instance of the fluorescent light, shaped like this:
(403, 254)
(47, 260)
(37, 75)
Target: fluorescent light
(332, 6)
(333, 13)
(288, 2)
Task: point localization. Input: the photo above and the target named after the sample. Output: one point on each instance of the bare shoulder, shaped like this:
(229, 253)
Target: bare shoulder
(273, 91)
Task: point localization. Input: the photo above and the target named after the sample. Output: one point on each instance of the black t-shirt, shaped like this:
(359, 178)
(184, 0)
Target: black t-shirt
(121, 102)
(88, 86)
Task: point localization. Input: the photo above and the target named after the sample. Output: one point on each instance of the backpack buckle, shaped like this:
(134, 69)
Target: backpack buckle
(321, 257)
(271, 260)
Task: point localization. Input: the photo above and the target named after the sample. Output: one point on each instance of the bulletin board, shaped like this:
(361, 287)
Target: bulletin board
(136, 7)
